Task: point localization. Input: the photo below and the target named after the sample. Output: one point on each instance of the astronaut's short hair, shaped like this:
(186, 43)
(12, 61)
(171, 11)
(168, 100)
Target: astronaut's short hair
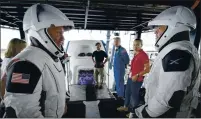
(97, 44)
(117, 38)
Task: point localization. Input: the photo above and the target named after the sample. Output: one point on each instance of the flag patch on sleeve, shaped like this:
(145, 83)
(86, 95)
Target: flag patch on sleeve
(20, 78)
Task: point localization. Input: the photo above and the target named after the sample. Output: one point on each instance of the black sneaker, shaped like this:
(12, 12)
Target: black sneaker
(96, 86)
(100, 87)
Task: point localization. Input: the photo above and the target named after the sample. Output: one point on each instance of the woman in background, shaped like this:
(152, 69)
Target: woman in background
(14, 47)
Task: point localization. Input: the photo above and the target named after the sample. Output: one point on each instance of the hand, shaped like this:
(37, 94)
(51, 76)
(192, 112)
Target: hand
(65, 55)
(102, 64)
(66, 58)
(134, 78)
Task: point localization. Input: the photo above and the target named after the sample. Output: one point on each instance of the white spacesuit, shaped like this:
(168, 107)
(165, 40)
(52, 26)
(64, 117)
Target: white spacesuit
(173, 81)
(35, 77)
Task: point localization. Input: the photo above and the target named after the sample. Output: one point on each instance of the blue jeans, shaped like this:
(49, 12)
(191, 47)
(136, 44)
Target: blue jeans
(132, 93)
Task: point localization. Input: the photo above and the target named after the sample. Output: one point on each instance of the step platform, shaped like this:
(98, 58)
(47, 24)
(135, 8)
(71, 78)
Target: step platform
(89, 93)
(88, 102)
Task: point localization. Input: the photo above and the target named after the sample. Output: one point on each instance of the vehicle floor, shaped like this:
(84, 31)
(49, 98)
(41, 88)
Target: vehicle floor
(107, 109)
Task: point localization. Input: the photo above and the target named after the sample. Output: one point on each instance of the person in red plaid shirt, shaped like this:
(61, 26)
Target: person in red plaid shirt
(139, 67)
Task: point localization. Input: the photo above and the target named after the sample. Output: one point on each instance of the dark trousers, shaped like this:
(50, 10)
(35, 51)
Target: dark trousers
(132, 98)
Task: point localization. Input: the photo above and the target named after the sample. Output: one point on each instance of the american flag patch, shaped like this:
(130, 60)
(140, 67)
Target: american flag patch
(20, 78)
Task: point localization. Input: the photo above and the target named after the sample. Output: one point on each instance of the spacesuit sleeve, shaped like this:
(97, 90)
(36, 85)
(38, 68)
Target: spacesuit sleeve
(124, 56)
(23, 90)
(175, 77)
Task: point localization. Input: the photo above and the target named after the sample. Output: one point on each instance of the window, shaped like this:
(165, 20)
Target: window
(149, 45)
(148, 41)
(89, 54)
(6, 36)
(82, 55)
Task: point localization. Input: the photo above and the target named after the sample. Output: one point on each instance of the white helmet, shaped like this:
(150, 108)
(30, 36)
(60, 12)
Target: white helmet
(177, 19)
(38, 18)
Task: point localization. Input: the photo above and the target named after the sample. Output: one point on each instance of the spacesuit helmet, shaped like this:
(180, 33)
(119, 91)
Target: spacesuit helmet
(173, 20)
(38, 20)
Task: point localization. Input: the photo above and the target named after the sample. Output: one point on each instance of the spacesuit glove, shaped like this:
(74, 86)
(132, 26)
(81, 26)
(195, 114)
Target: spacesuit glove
(65, 60)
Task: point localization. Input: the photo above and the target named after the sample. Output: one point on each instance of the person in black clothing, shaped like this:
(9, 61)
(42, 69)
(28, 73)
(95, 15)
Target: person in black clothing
(100, 59)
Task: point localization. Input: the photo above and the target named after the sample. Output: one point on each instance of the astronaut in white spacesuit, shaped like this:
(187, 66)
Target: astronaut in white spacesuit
(35, 77)
(173, 78)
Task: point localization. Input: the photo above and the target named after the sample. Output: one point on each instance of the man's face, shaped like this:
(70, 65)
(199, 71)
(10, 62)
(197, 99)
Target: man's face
(137, 45)
(159, 31)
(116, 42)
(98, 46)
(56, 33)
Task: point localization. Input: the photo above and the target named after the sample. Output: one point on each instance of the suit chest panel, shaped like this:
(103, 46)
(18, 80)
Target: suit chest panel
(54, 71)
